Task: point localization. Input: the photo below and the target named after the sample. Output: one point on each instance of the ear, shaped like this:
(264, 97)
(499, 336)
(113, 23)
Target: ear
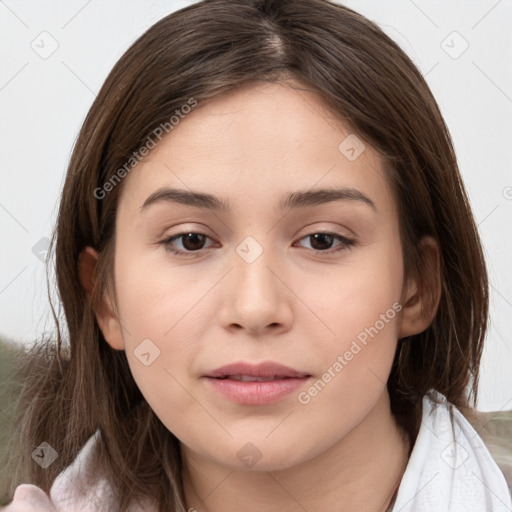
(105, 315)
(421, 298)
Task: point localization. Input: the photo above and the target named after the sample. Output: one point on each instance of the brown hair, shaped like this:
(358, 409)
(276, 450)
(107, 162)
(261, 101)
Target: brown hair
(77, 384)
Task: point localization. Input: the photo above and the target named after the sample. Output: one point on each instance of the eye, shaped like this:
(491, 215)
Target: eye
(192, 242)
(322, 241)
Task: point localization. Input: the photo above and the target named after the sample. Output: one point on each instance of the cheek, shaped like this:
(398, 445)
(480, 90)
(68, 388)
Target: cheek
(351, 297)
(354, 361)
(159, 327)
(358, 318)
(154, 296)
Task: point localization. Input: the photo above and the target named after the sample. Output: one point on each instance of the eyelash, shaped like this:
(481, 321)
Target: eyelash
(346, 243)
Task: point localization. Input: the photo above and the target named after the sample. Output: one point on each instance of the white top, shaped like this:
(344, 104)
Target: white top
(450, 470)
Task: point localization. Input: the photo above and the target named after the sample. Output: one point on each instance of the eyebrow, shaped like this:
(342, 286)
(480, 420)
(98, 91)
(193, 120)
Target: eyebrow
(298, 199)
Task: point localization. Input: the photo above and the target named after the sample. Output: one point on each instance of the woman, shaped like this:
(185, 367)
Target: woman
(262, 252)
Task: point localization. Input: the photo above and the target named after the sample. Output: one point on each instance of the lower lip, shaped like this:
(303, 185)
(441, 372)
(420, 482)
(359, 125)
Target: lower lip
(255, 393)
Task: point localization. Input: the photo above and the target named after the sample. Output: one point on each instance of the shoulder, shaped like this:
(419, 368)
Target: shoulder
(451, 462)
(495, 430)
(29, 498)
(77, 488)
(73, 489)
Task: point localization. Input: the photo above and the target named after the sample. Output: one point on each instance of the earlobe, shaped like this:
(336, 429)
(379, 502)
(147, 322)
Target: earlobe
(421, 299)
(106, 317)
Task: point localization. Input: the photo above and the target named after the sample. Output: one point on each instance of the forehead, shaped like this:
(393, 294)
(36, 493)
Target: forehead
(258, 140)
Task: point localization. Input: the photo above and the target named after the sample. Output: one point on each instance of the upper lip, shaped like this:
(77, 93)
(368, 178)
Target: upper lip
(264, 369)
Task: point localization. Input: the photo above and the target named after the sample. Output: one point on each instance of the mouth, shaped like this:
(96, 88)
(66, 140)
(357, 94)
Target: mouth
(250, 378)
(260, 384)
(267, 370)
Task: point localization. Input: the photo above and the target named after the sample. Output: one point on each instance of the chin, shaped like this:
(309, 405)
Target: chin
(259, 456)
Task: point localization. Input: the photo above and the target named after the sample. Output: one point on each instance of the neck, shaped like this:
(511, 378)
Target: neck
(359, 473)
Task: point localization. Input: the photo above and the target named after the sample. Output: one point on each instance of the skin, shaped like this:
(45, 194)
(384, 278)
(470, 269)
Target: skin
(290, 305)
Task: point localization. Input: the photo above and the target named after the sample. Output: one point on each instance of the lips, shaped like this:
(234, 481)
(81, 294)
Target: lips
(251, 372)
(259, 384)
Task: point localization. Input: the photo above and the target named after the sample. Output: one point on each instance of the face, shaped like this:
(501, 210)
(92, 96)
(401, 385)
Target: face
(314, 285)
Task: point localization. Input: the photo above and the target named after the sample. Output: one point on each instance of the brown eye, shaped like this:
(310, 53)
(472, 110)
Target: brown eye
(191, 242)
(323, 242)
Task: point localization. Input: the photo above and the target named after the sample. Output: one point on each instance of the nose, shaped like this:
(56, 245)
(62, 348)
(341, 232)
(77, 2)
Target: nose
(255, 296)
